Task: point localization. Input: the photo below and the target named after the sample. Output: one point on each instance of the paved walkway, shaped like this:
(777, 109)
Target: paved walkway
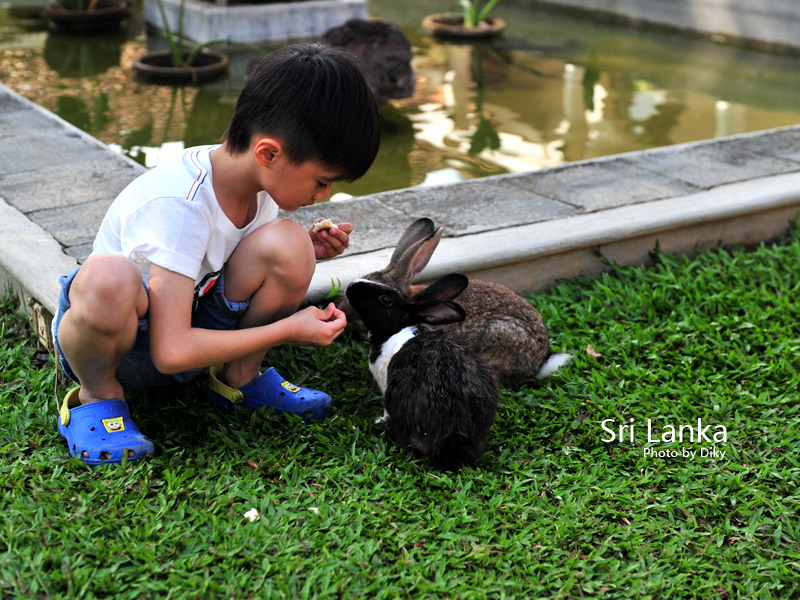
(525, 230)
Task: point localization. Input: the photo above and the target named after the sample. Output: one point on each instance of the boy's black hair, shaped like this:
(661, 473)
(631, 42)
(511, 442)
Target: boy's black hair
(316, 101)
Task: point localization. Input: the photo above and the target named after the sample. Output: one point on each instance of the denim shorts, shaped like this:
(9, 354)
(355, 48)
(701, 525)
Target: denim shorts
(137, 371)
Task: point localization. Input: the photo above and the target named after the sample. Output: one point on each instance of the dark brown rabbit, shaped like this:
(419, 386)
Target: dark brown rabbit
(501, 327)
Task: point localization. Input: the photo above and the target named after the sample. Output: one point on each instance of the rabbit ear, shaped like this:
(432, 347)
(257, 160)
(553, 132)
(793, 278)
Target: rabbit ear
(416, 257)
(418, 230)
(413, 252)
(445, 288)
(433, 304)
(441, 313)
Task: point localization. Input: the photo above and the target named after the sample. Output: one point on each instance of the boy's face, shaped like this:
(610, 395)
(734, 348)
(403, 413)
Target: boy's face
(293, 186)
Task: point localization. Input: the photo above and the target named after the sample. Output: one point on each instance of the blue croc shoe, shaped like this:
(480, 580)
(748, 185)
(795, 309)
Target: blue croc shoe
(103, 430)
(269, 389)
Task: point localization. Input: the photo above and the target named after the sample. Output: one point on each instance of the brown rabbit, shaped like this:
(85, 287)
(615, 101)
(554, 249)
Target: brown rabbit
(501, 327)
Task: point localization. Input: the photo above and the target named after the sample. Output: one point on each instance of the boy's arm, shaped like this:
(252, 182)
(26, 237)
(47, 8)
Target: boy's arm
(177, 346)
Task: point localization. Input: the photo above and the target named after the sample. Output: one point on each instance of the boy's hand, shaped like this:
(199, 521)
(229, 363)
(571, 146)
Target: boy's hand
(331, 242)
(317, 327)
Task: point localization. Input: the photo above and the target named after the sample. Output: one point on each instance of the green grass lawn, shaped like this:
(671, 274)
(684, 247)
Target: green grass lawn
(554, 509)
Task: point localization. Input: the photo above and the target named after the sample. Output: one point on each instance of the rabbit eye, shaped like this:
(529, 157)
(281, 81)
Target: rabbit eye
(385, 300)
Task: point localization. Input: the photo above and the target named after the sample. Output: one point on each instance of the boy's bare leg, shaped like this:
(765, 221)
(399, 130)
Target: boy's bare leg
(273, 267)
(106, 300)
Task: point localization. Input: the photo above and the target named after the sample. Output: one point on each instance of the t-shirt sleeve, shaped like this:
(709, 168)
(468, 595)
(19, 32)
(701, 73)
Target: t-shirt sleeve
(172, 233)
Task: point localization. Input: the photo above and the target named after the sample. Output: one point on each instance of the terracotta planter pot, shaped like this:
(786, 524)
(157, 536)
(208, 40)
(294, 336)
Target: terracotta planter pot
(105, 15)
(157, 67)
(451, 25)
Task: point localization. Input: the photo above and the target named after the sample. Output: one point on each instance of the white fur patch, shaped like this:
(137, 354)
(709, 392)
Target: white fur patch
(380, 368)
(552, 364)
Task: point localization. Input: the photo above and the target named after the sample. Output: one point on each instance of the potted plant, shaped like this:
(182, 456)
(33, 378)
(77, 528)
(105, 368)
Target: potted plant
(475, 21)
(84, 16)
(180, 65)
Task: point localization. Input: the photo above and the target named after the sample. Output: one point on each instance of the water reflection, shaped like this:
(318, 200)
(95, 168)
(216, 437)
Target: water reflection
(210, 114)
(552, 90)
(74, 56)
(194, 117)
(136, 142)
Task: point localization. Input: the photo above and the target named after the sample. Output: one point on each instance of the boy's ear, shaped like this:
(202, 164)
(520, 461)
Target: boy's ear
(266, 150)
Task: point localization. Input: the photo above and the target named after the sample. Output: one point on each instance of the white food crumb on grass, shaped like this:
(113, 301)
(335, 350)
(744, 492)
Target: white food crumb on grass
(252, 514)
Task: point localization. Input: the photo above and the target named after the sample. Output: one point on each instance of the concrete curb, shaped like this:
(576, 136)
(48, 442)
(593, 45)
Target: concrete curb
(30, 259)
(745, 22)
(254, 23)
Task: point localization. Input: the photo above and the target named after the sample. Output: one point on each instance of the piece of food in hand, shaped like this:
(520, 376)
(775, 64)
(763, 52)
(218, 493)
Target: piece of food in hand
(323, 224)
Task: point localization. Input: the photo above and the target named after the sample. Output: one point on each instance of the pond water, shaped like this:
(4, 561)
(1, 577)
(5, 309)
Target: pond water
(553, 89)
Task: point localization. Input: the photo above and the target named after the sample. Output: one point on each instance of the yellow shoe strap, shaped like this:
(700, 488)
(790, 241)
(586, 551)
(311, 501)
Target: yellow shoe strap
(71, 397)
(226, 391)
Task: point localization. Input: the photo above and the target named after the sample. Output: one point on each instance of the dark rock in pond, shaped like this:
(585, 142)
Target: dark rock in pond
(384, 52)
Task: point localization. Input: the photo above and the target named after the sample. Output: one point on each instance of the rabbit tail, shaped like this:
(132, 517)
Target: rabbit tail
(552, 364)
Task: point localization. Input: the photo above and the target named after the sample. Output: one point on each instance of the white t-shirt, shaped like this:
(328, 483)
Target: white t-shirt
(170, 216)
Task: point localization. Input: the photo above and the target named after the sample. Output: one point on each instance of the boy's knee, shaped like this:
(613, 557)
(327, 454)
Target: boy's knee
(288, 251)
(105, 282)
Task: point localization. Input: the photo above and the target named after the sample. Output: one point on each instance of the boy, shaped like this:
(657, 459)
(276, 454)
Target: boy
(191, 267)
